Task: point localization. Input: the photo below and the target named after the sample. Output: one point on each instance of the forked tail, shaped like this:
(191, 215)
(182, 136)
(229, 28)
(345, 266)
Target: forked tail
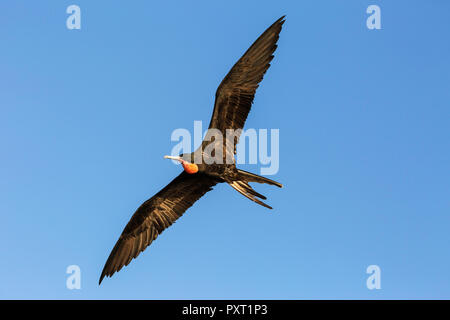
(245, 189)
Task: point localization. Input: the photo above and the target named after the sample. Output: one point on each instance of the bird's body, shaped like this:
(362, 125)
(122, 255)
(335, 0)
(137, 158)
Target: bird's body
(203, 170)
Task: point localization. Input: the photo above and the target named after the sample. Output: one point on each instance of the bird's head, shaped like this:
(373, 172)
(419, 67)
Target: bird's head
(188, 165)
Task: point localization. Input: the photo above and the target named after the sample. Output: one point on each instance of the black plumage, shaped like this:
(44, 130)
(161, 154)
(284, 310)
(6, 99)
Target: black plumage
(234, 98)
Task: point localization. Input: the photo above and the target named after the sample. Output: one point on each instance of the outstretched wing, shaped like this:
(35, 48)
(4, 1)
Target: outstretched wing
(154, 216)
(234, 96)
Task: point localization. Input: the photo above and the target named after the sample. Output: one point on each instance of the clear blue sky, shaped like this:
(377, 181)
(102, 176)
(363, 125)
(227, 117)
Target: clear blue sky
(86, 116)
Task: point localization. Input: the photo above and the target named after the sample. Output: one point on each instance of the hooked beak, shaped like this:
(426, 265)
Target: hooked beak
(173, 158)
(190, 168)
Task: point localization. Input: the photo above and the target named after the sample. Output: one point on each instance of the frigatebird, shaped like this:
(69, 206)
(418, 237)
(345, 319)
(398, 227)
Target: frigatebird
(234, 98)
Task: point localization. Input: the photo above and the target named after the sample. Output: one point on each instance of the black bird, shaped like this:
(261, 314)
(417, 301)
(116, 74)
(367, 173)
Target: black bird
(234, 98)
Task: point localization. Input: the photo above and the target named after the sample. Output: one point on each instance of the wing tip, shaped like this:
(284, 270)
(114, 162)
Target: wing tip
(103, 275)
(101, 279)
(281, 20)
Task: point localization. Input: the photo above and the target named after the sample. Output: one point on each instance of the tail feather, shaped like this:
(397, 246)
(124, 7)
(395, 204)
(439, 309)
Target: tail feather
(250, 190)
(245, 189)
(251, 177)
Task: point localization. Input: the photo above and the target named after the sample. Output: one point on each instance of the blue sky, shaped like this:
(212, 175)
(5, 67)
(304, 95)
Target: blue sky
(86, 116)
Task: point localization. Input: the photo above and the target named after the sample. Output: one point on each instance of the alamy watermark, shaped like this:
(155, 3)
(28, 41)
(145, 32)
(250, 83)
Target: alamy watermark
(374, 20)
(374, 280)
(73, 281)
(74, 20)
(219, 147)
